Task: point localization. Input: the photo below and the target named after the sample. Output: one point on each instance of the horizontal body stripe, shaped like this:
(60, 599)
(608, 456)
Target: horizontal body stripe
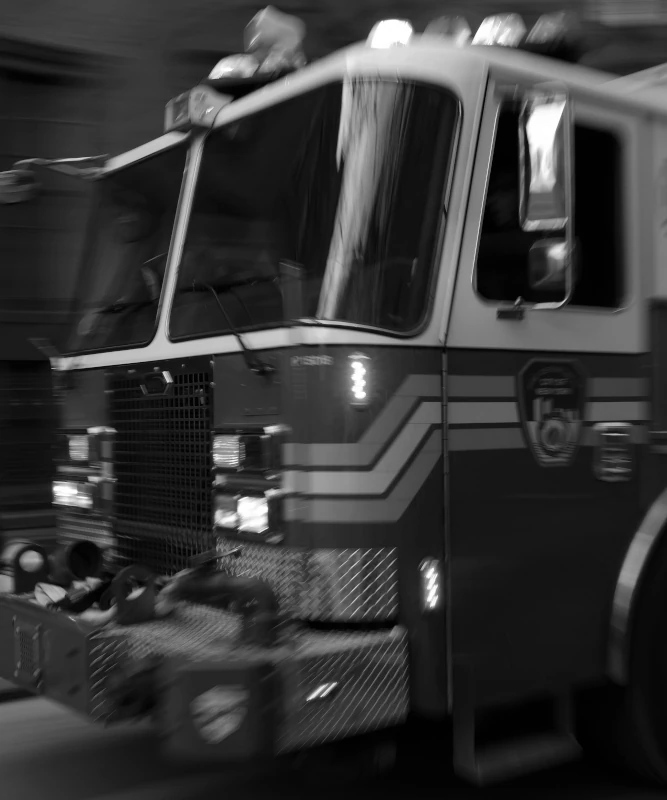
(500, 386)
(472, 413)
(378, 480)
(481, 386)
(382, 510)
(383, 428)
(493, 412)
(617, 411)
(462, 439)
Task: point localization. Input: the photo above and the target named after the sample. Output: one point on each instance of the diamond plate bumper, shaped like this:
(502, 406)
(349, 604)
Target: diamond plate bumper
(213, 693)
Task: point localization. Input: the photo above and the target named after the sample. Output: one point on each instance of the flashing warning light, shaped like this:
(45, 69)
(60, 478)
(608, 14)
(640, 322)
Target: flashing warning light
(558, 34)
(454, 28)
(197, 108)
(359, 380)
(503, 30)
(390, 33)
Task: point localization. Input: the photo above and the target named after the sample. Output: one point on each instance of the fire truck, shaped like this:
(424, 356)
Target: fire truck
(366, 427)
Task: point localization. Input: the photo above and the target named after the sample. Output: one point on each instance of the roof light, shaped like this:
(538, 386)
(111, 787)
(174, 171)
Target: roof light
(504, 30)
(558, 34)
(273, 47)
(450, 27)
(197, 108)
(390, 33)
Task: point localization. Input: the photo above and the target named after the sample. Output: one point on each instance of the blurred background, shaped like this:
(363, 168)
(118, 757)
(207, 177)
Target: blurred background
(82, 78)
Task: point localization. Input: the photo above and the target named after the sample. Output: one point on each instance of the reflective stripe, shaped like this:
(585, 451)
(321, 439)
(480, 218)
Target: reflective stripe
(377, 436)
(388, 510)
(472, 413)
(617, 411)
(380, 478)
(481, 386)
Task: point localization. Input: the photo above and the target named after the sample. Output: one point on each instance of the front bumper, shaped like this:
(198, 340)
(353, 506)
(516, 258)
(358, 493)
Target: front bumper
(210, 694)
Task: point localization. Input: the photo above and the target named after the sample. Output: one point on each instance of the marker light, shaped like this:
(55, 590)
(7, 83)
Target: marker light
(450, 27)
(430, 580)
(228, 452)
(78, 447)
(390, 33)
(359, 380)
(504, 30)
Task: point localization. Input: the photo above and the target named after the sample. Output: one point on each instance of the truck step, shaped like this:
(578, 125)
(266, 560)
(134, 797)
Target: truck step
(516, 757)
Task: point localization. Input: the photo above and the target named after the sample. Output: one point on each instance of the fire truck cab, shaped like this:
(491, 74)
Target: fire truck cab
(364, 408)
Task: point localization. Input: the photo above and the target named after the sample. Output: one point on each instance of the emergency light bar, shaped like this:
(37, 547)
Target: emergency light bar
(554, 34)
(390, 33)
(450, 27)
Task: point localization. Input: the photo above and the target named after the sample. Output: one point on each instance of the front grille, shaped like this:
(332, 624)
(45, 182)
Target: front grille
(163, 466)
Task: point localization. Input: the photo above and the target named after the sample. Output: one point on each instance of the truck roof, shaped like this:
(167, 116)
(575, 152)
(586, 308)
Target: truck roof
(642, 92)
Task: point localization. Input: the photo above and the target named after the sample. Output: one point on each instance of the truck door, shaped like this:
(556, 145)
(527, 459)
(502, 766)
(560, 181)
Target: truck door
(537, 532)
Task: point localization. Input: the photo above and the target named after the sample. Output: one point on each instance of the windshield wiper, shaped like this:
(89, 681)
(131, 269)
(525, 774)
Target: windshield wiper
(252, 360)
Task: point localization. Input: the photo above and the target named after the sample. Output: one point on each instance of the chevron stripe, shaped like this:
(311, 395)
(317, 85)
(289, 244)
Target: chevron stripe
(378, 480)
(385, 426)
(387, 509)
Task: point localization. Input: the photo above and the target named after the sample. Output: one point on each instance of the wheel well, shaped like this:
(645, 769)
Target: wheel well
(639, 557)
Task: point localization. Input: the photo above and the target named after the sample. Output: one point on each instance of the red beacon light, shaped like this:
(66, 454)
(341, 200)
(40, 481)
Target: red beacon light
(454, 28)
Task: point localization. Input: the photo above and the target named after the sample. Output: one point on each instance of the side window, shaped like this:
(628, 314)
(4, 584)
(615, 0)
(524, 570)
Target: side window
(502, 261)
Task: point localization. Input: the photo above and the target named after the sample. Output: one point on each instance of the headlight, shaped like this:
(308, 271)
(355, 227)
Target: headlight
(73, 494)
(78, 447)
(254, 514)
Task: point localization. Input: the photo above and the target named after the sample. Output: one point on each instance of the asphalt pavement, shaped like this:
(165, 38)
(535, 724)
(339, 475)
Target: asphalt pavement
(50, 753)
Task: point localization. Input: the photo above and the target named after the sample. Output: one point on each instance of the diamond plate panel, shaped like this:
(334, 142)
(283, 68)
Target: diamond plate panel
(325, 585)
(371, 670)
(351, 585)
(108, 651)
(283, 568)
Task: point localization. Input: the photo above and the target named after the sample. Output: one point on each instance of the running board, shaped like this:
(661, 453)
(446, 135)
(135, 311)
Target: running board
(505, 756)
(515, 758)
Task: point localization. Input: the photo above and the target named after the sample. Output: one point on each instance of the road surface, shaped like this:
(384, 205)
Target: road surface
(48, 753)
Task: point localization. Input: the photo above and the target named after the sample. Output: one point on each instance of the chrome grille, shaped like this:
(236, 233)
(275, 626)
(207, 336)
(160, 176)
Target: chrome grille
(163, 510)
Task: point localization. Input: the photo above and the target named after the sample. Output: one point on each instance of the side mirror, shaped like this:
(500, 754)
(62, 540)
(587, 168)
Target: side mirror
(545, 152)
(18, 186)
(551, 266)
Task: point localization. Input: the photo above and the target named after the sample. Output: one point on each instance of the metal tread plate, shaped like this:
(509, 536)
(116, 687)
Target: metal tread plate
(369, 670)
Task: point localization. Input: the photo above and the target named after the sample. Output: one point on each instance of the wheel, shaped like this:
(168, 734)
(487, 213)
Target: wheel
(627, 726)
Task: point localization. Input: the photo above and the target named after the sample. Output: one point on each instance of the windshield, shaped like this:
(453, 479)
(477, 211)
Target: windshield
(120, 278)
(347, 181)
